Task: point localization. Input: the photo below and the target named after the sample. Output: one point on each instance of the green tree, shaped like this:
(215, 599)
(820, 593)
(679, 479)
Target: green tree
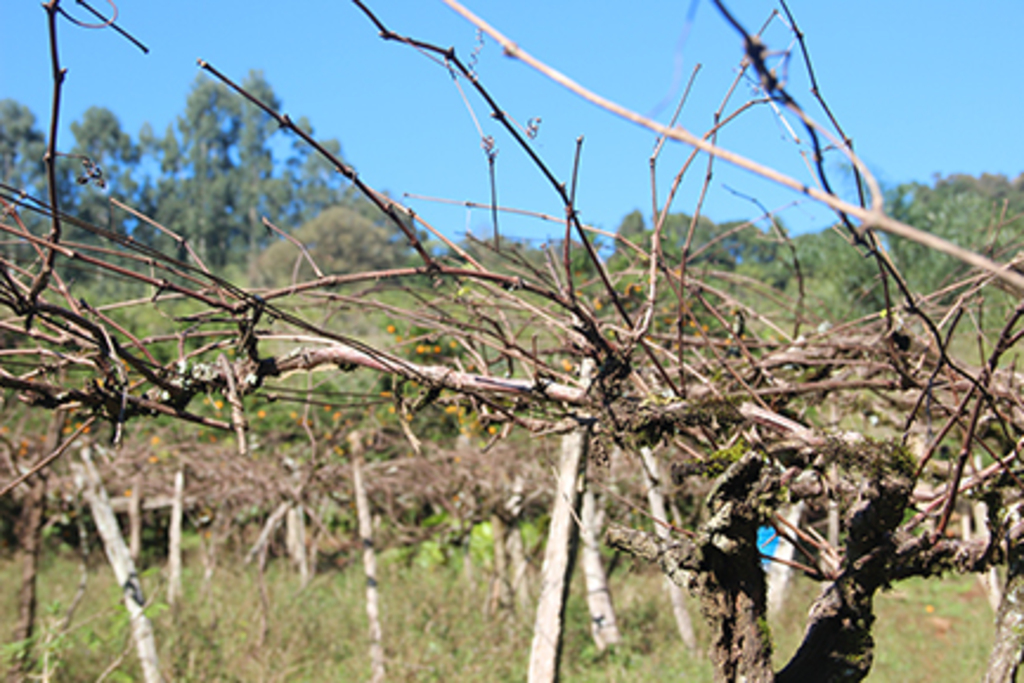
(996, 188)
(102, 165)
(841, 280)
(104, 149)
(983, 214)
(210, 131)
(762, 256)
(340, 240)
(316, 184)
(22, 146)
(220, 175)
(261, 191)
(712, 245)
(960, 217)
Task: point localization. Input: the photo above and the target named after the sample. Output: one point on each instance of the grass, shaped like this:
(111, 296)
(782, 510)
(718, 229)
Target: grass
(925, 630)
(436, 628)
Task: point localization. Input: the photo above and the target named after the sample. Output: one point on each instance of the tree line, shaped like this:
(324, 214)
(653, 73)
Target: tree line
(222, 167)
(213, 174)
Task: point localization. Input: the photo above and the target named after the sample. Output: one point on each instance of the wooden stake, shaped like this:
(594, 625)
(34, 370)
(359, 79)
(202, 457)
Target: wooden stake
(559, 554)
(174, 550)
(355, 442)
(121, 562)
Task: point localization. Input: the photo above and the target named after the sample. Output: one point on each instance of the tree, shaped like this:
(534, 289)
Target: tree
(216, 174)
(204, 195)
(843, 280)
(108, 158)
(340, 241)
(220, 177)
(949, 210)
(718, 246)
(22, 146)
(315, 184)
(101, 167)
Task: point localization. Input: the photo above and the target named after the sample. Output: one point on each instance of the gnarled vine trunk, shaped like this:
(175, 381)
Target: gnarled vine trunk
(722, 566)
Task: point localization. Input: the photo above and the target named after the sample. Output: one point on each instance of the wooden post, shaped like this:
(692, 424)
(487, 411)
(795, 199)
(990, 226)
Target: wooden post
(217, 531)
(501, 588)
(295, 540)
(268, 531)
(603, 626)
(121, 562)
(135, 518)
(174, 549)
(314, 542)
(516, 551)
(559, 553)
(355, 442)
(989, 579)
(779, 573)
(656, 501)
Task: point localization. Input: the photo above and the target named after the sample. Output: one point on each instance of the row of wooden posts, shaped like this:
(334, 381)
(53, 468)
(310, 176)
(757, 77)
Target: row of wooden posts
(575, 518)
(575, 511)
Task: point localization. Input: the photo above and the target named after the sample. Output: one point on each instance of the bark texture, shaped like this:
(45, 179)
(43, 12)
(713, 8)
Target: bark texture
(721, 565)
(838, 645)
(732, 586)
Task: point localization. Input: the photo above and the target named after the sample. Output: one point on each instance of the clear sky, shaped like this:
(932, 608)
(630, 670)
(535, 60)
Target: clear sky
(922, 87)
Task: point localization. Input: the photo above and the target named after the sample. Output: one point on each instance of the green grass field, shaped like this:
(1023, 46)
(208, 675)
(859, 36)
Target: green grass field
(436, 629)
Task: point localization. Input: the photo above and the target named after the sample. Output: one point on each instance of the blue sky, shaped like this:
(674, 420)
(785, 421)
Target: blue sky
(921, 87)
